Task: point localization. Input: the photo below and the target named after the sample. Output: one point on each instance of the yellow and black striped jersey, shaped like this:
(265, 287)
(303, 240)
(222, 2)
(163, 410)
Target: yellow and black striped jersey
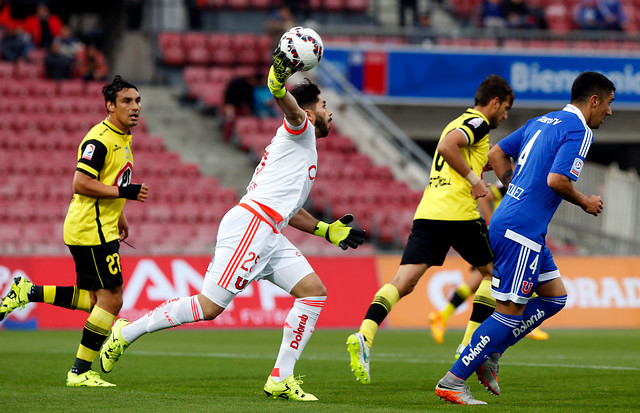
(104, 154)
(448, 195)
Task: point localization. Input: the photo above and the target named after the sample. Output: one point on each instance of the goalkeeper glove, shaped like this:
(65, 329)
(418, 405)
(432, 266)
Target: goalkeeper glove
(279, 72)
(338, 233)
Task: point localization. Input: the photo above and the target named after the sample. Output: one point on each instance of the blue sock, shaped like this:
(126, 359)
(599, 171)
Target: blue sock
(486, 340)
(536, 311)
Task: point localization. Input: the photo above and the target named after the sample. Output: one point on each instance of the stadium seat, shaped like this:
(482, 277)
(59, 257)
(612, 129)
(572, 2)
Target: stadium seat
(174, 56)
(169, 40)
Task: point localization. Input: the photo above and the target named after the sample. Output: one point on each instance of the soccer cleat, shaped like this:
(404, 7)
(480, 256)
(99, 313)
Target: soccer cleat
(113, 348)
(459, 351)
(16, 297)
(437, 327)
(538, 334)
(359, 352)
(456, 394)
(87, 379)
(488, 374)
(289, 389)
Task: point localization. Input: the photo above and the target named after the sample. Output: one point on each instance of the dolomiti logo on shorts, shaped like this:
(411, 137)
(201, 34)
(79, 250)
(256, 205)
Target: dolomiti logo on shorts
(484, 340)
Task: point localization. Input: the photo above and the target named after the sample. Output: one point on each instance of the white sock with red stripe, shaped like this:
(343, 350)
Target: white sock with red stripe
(298, 327)
(171, 313)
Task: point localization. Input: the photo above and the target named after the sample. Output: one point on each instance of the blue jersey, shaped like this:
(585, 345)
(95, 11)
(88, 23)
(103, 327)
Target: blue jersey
(557, 142)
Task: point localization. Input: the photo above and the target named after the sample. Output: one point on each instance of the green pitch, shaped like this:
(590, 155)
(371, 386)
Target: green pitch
(224, 371)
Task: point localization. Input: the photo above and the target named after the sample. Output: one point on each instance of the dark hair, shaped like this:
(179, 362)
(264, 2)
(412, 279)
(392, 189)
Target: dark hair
(493, 86)
(588, 84)
(110, 90)
(306, 94)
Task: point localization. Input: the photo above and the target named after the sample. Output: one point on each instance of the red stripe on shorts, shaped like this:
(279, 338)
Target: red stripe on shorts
(239, 253)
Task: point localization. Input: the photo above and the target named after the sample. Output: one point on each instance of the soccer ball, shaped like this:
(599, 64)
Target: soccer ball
(303, 46)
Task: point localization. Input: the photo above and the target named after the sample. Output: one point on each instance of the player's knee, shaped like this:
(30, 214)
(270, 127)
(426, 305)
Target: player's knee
(554, 304)
(210, 310)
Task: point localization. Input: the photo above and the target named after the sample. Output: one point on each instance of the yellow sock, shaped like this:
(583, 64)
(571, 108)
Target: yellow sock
(483, 306)
(67, 297)
(472, 326)
(384, 300)
(96, 330)
(462, 293)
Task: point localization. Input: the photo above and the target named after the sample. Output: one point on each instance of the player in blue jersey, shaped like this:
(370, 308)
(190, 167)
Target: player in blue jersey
(549, 152)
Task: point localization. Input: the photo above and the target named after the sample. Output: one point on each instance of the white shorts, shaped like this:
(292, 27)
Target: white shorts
(248, 248)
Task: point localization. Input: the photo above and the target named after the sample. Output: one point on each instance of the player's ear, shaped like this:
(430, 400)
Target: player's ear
(311, 115)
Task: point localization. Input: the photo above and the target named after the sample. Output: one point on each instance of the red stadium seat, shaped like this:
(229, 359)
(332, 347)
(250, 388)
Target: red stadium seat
(169, 40)
(174, 56)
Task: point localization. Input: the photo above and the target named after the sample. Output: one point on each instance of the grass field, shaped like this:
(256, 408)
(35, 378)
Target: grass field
(224, 371)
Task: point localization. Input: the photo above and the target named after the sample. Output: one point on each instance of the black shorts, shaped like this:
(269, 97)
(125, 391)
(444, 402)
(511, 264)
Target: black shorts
(97, 267)
(430, 241)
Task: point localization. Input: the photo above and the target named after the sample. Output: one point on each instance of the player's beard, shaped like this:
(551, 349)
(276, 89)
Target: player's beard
(323, 127)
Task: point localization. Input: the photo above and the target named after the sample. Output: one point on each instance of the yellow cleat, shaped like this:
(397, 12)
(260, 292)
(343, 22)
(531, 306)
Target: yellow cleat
(87, 379)
(16, 297)
(113, 348)
(289, 389)
(359, 352)
(538, 334)
(438, 326)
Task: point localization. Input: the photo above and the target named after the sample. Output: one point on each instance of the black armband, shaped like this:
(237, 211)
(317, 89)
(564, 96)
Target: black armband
(130, 191)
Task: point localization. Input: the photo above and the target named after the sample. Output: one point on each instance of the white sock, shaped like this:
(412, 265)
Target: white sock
(298, 327)
(171, 313)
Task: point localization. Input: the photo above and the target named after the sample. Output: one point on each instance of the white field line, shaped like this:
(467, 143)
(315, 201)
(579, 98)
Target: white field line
(380, 358)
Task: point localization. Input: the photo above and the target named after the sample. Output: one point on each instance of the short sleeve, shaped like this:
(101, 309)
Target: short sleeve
(570, 156)
(474, 129)
(512, 143)
(92, 155)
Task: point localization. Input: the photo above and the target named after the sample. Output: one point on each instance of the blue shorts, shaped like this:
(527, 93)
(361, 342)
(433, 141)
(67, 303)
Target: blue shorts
(519, 265)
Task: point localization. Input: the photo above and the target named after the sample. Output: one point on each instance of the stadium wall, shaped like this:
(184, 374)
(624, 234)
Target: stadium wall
(603, 292)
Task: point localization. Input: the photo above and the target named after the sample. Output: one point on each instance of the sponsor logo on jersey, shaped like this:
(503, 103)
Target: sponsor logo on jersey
(577, 167)
(88, 151)
(484, 340)
(476, 122)
(524, 327)
(312, 172)
(299, 331)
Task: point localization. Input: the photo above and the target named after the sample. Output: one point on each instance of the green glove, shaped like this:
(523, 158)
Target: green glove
(339, 234)
(279, 72)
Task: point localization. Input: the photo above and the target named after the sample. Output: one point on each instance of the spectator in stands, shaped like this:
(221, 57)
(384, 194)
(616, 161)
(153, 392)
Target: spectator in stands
(410, 6)
(239, 100)
(5, 12)
(194, 12)
(519, 16)
(90, 64)
(587, 15)
(614, 16)
(14, 46)
(491, 14)
(134, 13)
(43, 26)
(69, 44)
(279, 21)
(57, 64)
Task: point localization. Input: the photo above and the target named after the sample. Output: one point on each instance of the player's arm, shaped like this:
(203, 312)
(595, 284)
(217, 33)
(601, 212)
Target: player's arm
(485, 206)
(564, 188)
(123, 227)
(87, 185)
(337, 232)
(279, 72)
(501, 164)
(449, 148)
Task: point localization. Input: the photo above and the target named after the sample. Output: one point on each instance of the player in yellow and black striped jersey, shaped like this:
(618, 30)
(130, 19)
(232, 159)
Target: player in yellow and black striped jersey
(447, 215)
(93, 229)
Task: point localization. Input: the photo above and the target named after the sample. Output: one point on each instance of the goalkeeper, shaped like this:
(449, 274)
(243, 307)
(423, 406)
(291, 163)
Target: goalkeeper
(250, 245)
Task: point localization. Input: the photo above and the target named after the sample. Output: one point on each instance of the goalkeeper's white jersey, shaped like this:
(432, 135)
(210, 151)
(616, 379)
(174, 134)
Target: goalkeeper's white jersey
(283, 179)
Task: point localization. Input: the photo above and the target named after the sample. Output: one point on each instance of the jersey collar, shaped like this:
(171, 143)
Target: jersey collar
(576, 111)
(113, 128)
(477, 112)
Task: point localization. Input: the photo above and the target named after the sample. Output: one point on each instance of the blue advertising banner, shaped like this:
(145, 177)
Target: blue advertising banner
(439, 74)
